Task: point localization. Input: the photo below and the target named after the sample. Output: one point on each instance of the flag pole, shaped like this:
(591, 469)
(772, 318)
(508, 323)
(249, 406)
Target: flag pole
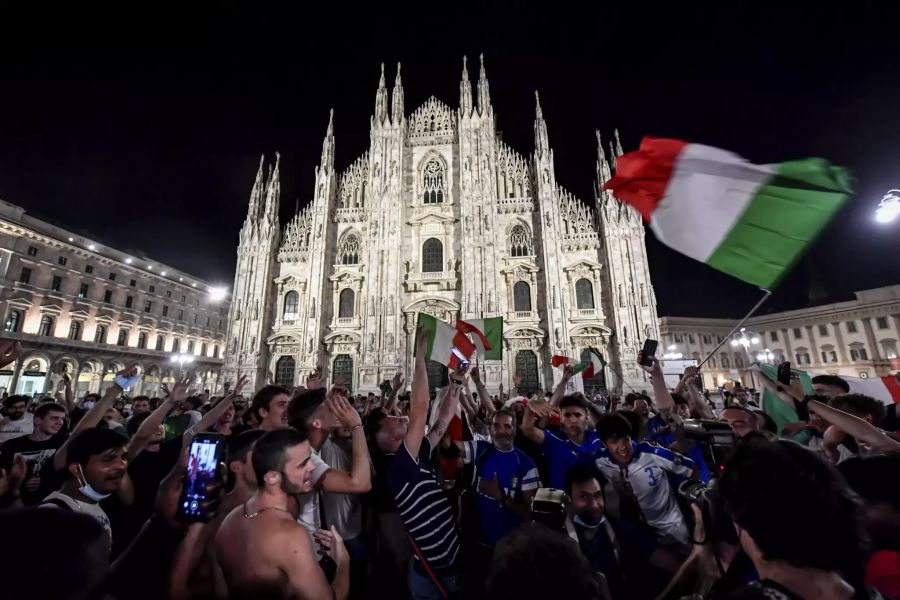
(737, 327)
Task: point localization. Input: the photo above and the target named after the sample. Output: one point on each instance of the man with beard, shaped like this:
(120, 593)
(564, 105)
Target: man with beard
(95, 464)
(573, 444)
(506, 479)
(38, 449)
(261, 549)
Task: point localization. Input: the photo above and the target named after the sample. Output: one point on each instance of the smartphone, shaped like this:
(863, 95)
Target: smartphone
(648, 352)
(463, 359)
(784, 373)
(207, 450)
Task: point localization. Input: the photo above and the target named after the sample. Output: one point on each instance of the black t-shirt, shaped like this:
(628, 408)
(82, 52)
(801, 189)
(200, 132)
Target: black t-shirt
(39, 461)
(146, 472)
(381, 498)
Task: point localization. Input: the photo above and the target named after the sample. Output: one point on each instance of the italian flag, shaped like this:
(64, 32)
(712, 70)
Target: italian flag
(750, 221)
(587, 368)
(442, 338)
(488, 335)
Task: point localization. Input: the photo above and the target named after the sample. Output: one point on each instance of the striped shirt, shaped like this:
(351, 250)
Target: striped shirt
(424, 507)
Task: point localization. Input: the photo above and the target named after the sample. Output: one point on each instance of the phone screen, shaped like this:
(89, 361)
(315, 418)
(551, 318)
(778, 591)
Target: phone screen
(648, 352)
(462, 357)
(203, 461)
(784, 373)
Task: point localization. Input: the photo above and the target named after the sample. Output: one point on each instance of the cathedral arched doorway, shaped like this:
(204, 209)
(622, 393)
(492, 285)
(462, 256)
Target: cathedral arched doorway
(343, 369)
(284, 371)
(595, 384)
(437, 375)
(527, 367)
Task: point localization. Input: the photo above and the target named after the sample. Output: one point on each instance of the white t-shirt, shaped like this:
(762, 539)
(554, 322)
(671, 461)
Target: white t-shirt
(86, 508)
(344, 511)
(309, 502)
(14, 429)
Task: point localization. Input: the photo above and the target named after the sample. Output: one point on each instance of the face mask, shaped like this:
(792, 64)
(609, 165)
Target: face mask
(89, 404)
(126, 382)
(579, 521)
(88, 490)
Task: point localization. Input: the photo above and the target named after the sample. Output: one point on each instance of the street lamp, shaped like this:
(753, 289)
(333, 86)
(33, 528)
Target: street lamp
(182, 359)
(217, 294)
(889, 207)
(765, 356)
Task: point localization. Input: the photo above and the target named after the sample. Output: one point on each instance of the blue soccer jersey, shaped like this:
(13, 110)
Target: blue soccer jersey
(516, 473)
(562, 454)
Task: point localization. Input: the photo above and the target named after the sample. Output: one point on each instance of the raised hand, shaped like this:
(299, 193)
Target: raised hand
(568, 371)
(9, 352)
(421, 340)
(397, 382)
(315, 380)
(343, 410)
(476, 373)
(180, 391)
(654, 369)
(541, 409)
(239, 386)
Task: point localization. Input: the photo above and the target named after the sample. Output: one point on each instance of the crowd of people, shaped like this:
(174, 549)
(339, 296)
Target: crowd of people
(450, 493)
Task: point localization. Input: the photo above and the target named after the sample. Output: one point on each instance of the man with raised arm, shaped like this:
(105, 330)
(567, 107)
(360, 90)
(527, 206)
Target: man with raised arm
(261, 549)
(422, 504)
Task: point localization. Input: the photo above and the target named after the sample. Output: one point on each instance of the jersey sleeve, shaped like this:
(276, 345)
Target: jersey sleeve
(669, 461)
(531, 479)
(319, 468)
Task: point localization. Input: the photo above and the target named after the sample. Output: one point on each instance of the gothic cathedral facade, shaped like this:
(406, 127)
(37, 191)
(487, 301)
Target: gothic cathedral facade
(438, 216)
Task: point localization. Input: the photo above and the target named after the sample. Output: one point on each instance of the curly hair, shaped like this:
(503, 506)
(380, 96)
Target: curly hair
(534, 561)
(794, 504)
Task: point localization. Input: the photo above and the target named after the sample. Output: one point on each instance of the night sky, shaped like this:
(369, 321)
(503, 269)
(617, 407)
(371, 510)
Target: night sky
(145, 130)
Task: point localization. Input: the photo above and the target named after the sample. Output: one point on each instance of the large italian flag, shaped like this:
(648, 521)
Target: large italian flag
(442, 338)
(750, 221)
(588, 368)
(487, 335)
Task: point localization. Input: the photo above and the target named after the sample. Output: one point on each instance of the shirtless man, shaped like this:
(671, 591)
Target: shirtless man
(261, 549)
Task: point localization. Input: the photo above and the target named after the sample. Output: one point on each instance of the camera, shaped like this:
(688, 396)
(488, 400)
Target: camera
(716, 523)
(716, 439)
(549, 507)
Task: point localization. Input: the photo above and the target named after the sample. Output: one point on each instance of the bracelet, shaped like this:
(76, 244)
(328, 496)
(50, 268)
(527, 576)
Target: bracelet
(355, 427)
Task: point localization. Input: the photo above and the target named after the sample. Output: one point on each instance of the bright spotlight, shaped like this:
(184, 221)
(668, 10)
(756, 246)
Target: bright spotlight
(217, 294)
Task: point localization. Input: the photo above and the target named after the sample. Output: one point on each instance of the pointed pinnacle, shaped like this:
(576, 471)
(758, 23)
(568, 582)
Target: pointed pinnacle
(277, 160)
(465, 68)
(600, 144)
(538, 112)
(618, 142)
(397, 80)
(330, 130)
(483, 73)
(381, 80)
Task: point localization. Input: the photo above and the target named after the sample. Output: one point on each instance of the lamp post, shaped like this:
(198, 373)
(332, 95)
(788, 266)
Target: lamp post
(765, 356)
(746, 341)
(182, 359)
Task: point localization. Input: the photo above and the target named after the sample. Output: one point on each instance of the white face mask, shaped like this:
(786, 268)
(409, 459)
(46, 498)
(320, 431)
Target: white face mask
(87, 489)
(578, 520)
(88, 404)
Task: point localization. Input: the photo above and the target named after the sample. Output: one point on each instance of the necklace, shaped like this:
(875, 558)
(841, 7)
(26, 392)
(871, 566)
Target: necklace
(262, 510)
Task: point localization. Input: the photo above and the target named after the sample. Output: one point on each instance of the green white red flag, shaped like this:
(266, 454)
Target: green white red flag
(442, 339)
(587, 368)
(487, 335)
(750, 221)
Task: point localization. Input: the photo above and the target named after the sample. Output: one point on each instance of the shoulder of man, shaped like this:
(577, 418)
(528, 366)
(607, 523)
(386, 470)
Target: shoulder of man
(664, 454)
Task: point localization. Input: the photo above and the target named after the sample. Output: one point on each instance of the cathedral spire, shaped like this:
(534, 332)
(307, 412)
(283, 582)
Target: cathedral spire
(256, 194)
(326, 163)
(397, 100)
(612, 155)
(465, 92)
(604, 173)
(381, 100)
(541, 140)
(273, 194)
(484, 93)
(619, 150)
